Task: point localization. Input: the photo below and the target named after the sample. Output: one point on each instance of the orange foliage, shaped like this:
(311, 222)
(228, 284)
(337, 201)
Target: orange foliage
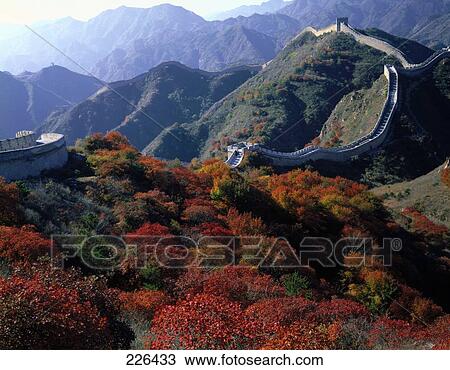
(143, 302)
(205, 322)
(22, 244)
(245, 224)
(423, 224)
(445, 176)
(304, 335)
(305, 193)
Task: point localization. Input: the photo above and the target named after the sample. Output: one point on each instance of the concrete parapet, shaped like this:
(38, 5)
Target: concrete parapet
(30, 159)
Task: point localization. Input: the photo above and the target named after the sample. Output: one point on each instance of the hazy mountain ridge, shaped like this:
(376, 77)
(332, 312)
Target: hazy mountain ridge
(27, 100)
(300, 87)
(270, 6)
(399, 17)
(166, 94)
(122, 43)
(435, 33)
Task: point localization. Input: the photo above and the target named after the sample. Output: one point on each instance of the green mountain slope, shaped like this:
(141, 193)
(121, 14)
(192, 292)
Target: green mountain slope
(355, 115)
(140, 108)
(285, 105)
(419, 139)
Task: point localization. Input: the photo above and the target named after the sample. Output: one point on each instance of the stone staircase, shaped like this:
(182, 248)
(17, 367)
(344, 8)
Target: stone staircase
(375, 138)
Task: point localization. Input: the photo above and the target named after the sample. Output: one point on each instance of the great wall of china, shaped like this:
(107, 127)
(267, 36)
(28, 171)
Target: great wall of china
(28, 156)
(376, 138)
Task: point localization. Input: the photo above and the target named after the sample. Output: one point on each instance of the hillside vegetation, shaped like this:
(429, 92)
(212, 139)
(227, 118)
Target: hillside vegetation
(419, 139)
(247, 300)
(142, 107)
(285, 105)
(428, 194)
(354, 116)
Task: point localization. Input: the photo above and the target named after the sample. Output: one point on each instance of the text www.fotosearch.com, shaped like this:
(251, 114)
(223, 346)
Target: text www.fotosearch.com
(224, 360)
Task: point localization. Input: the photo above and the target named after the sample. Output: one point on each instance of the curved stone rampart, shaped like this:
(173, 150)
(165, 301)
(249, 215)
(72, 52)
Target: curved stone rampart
(377, 44)
(48, 152)
(375, 138)
(408, 68)
(313, 153)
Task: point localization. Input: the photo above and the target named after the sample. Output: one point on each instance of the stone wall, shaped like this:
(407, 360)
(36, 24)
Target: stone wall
(372, 141)
(365, 144)
(376, 44)
(49, 152)
(19, 142)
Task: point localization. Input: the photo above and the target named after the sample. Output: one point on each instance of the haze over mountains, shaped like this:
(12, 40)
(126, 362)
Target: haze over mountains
(270, 6)
(27, 100)
(180, 96)
(122, 43)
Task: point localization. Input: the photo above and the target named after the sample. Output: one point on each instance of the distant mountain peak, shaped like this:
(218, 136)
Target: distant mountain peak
(269, 6)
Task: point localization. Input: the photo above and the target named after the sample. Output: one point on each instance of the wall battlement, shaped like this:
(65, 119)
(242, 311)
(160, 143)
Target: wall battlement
(23, 139)
(25, 156)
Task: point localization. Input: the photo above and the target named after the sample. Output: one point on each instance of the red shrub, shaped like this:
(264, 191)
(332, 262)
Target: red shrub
(36, 315)
(305, 335)
(338, 310)
(204, 322)
(22, 244)
(423, 224)
(152, 230)
(143, 303)
(241, 284)
(394, 334)
(281, 311)
(445, 176)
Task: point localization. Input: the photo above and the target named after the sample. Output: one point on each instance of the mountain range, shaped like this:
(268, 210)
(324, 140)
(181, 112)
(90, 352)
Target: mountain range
(142, 107)
(326, 79)
(271, 6)
(27, 100)
(122, 43)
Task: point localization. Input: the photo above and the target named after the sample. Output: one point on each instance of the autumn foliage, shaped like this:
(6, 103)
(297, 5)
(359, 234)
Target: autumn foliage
(423, 224)
(62, 317)
(163, 295)
(445, 176)
(204, 322)
(22, 244)
(143, 302)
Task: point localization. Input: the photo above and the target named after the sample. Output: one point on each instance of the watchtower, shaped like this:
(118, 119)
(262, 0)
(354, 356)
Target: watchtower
(339, 22)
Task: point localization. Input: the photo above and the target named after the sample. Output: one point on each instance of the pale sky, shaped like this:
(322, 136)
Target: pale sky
(29, 11)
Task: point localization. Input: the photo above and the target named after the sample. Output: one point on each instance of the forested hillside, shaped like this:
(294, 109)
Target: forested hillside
(142, 107)
(102, 299)
(286, 105)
